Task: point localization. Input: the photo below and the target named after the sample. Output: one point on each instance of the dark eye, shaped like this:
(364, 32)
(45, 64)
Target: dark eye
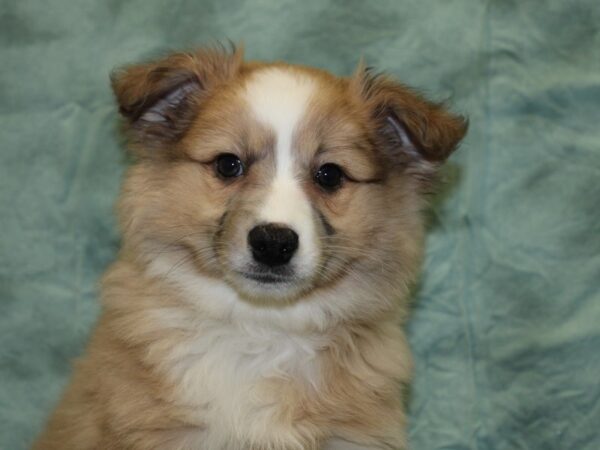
(229, 165)
(329, 176)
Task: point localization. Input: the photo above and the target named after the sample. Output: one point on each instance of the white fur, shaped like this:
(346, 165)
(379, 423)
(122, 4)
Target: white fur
(279, 99)
(218, 365)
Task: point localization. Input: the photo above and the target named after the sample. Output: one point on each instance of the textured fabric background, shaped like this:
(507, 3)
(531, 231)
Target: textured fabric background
(506, 325)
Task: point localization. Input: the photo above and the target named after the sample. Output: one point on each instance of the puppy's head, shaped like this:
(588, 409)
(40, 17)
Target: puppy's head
(278, 180)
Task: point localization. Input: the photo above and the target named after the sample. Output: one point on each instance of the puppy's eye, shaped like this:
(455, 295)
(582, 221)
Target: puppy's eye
(229, 165)
(329, 176)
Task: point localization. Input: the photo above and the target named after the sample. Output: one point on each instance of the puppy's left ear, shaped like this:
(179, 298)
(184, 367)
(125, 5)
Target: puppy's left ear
(412, 131)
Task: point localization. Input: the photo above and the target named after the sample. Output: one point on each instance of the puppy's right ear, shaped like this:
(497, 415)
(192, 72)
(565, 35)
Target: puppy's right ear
(159, 100)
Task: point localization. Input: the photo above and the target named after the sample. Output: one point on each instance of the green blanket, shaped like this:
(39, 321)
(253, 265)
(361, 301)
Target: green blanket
(506, 324)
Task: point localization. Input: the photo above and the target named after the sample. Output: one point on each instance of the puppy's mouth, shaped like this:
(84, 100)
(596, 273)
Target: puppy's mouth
(267, 278)
(260, 284)
(269, 275)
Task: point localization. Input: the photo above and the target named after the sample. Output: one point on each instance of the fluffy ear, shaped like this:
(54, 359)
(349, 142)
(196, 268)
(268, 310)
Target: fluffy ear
(158, 100)
(413, 131)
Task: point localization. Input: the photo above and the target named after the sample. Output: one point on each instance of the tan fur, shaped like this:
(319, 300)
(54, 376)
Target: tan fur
(171, 302)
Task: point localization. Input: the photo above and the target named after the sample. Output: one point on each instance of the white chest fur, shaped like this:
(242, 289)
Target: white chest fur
(219, 370)
(218, 364)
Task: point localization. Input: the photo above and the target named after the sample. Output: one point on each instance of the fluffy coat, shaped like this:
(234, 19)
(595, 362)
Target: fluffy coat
(189, 354)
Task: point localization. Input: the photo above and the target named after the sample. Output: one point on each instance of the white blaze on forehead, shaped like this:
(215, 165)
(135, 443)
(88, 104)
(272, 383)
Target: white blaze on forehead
(279, 99)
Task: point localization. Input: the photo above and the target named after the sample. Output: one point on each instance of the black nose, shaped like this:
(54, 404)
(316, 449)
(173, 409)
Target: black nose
(272, 245)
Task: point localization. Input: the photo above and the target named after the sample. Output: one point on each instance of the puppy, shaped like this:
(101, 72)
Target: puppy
(272, 227)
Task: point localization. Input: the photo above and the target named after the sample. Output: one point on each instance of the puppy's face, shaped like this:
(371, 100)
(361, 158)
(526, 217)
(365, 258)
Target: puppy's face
(279, 180)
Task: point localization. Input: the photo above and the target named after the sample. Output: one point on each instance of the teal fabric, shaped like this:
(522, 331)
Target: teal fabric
(506, 323)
